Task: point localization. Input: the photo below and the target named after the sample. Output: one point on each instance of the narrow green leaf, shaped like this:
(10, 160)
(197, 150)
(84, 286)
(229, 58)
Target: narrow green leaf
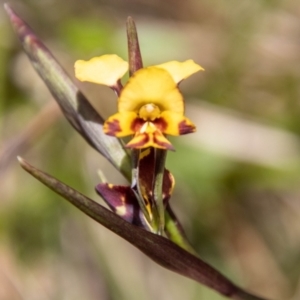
(161, 250)
(76, 108)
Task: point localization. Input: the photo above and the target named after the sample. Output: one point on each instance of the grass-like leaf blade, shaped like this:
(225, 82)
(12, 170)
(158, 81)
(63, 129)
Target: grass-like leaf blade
(161, 250)
(77, 109)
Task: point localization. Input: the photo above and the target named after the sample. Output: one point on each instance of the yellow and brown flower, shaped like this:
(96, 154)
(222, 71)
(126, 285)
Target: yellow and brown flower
(150, 105)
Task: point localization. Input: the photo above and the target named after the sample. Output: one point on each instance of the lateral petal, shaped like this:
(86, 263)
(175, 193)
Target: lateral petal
(105, 69)
(180, 70)
(174, 124)
(122, 124)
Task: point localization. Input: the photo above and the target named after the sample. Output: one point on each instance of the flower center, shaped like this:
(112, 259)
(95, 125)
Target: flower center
(149, 112)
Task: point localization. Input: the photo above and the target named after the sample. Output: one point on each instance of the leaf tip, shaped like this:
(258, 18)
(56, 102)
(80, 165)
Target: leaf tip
(22, 162)
(7, 7)
(129, 21)
(18, 24)
(135, 58)
(10, 12)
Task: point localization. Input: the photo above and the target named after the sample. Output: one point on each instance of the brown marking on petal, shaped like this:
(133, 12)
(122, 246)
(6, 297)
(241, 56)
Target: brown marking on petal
(112, 127)
(185, 128)
(161, 144)
(143, 140)
(137, 124)
(161, 124)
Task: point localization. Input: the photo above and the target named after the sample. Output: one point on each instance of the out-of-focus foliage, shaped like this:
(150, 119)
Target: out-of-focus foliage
(240, 207)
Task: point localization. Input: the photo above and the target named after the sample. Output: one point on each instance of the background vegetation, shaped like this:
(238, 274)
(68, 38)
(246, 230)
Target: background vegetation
(237, 179)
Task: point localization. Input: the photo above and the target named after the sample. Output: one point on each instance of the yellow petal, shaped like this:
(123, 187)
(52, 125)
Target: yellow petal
(174, 124)
(145, 140)
(180, 70)
(105, 69)
(151, 85)
(122, 124)
(150, 137)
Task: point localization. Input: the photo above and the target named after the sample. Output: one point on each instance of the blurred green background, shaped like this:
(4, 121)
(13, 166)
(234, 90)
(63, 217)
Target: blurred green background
(237, 179)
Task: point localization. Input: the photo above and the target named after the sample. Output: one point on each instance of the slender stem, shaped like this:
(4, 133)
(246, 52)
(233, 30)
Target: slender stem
(136, 63)
(175, 231)
(160, 160)
(138, 193)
